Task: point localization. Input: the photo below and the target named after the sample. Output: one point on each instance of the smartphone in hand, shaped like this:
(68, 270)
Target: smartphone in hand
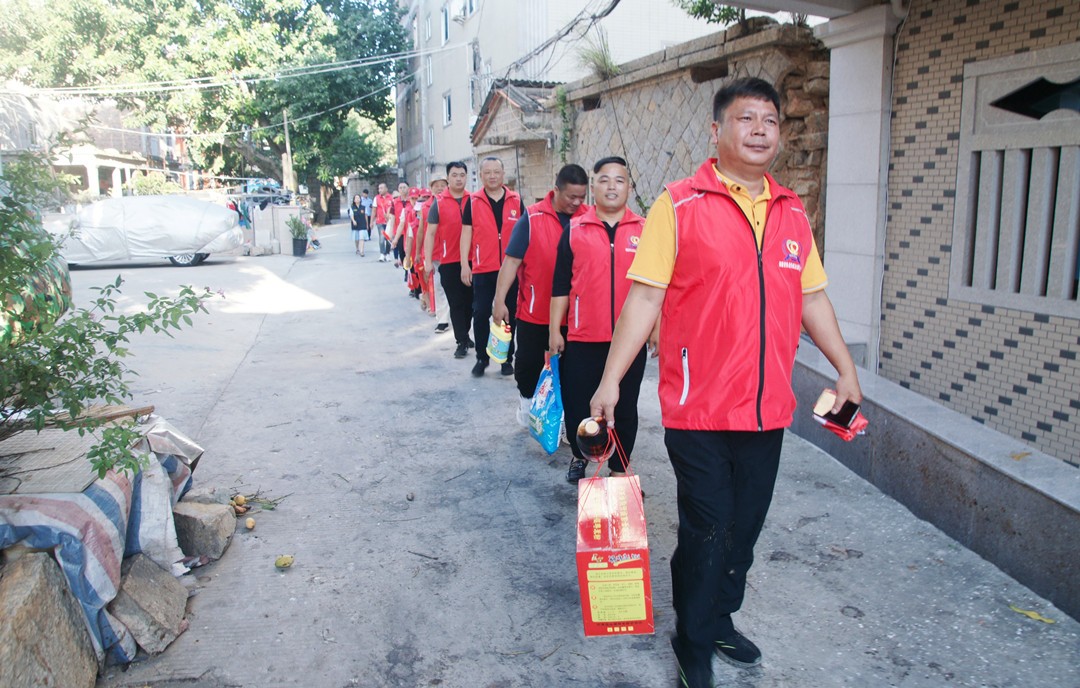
(844, 417)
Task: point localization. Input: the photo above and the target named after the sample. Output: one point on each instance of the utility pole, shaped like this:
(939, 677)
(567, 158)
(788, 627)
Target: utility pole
(289, 180)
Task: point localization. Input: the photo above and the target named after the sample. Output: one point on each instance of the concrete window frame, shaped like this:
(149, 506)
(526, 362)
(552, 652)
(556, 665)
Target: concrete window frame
(1016, 225)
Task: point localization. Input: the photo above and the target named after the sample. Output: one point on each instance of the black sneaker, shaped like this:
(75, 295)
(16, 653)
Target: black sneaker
(461, 351)
(737, 649)
(442, 327)
(507, 368)
(698, 675)
(479, 368)
(576, 471)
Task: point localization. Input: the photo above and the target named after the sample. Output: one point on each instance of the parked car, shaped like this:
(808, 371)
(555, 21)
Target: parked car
(183, 230)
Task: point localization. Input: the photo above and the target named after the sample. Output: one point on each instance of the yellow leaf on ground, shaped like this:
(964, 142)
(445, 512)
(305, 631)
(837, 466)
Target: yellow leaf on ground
(1031, 615)
(1019, 455)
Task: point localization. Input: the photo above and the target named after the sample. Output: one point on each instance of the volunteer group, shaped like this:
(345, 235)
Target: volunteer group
(718, 281)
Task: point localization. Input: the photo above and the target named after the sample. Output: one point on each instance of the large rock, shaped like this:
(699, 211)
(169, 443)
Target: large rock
(43, 636)
(204, 528)
(150, 603)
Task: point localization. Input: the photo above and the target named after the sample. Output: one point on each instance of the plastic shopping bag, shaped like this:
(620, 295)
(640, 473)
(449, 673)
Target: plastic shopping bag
(546, 413)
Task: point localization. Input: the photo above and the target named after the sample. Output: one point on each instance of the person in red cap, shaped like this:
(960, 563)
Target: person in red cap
(439, 307)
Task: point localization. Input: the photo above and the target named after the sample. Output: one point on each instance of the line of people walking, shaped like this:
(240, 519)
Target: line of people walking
(718, 281)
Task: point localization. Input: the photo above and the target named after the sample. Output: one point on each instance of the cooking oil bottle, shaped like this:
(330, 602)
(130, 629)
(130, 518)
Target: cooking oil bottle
(498, 345)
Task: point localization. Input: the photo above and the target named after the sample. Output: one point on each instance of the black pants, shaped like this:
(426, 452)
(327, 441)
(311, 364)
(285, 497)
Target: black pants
(531, 341)
(724, 484)
(580, 368)
(483, 286)
(459, 298)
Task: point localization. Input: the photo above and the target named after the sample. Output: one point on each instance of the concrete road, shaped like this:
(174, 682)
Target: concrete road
(320, 381)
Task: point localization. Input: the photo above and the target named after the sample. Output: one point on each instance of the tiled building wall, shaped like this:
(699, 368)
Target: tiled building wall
(1015, 371)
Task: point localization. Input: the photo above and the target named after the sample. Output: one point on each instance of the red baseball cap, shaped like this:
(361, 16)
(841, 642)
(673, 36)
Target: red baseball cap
(413, 191)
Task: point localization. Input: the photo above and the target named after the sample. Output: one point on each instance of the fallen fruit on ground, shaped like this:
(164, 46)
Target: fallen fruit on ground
(250, 523)
(284, 561)
(240, 500)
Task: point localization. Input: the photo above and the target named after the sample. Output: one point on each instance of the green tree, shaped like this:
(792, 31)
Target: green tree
(256, 51)
(712, 12)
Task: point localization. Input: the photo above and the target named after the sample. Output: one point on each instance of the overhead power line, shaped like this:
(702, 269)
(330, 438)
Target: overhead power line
(215, 82)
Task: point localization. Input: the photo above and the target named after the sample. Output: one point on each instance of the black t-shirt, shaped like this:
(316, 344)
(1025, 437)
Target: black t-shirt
(496, 209)
(564, 261)
(433, 214)
(519, 238)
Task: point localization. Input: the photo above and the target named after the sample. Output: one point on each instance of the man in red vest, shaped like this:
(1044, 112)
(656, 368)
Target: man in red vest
(728, 258)
(383, 210)
(442, 248)
(588, 290)
(486, 225)
(530, 263)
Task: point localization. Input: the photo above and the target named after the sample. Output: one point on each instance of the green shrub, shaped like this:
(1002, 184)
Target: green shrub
(55, 365)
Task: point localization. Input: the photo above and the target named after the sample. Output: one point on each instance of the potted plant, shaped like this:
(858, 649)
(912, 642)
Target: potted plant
(299, 232)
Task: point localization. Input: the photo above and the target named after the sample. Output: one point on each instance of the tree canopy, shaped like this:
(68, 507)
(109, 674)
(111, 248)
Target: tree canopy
(223, 72)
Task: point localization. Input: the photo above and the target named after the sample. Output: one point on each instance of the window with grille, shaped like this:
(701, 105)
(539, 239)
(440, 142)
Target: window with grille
(1016, 229)
(446, 110)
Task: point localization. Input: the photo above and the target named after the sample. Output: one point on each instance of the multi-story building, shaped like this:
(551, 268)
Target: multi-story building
(466, 45)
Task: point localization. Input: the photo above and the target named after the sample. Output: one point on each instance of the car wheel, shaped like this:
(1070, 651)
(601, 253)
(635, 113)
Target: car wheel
(188, 259)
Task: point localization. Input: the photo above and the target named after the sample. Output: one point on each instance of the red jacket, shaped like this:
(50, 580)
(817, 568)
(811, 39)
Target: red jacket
(488, 240)
(421, 228)
(598, 285)
(538, 266)
(448, 232)
(731, 317)
(383, 206)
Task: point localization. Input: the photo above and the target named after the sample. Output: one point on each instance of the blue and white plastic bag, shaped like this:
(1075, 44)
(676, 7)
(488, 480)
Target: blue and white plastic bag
(546, 412)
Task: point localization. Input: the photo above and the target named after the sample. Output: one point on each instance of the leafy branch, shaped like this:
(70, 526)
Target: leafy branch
(54, 365)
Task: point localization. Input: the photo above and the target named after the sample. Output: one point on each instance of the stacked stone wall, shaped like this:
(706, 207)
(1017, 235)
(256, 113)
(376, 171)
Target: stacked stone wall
(657, 112)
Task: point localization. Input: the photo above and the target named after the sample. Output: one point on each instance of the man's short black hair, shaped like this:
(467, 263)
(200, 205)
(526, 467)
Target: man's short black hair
(366, 191)
(492, 158)
(571, 174)
(456, 163)
(747, 87)
(607, 161)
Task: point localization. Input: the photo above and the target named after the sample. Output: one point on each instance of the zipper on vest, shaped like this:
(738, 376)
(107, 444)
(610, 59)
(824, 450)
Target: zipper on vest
(613, 288)
(761, 343)
(532, 297)
(577, 310)
(477, 254)
(685, 376)
(498, 231)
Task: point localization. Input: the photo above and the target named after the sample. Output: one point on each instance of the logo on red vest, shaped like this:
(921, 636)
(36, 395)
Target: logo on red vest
(791, 259)
(513, 213)
(632, 244)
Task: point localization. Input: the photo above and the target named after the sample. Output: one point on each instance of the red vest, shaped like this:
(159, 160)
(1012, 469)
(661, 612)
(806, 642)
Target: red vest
(538, 266)
(383, 205)
(598, 286)
(731, 317)
(488, 241)
(448, 233)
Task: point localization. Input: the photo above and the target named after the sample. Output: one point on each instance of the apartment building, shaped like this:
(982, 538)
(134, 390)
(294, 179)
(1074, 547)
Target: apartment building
(465, 45)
